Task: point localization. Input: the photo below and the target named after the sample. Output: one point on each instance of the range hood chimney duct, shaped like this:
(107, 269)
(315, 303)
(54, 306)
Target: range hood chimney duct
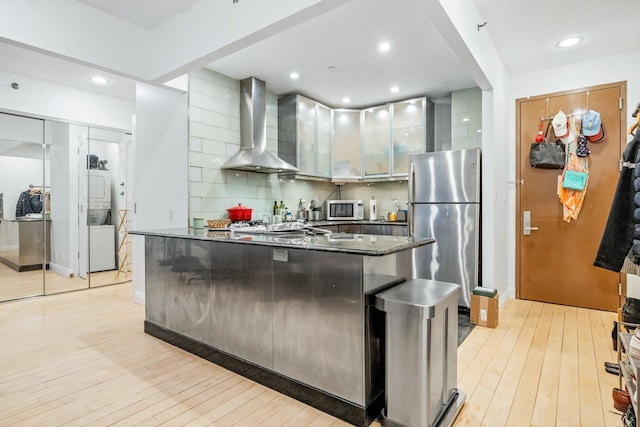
(253, 155)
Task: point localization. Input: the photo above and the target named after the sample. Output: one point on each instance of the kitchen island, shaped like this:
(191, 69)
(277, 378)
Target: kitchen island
(290, 311)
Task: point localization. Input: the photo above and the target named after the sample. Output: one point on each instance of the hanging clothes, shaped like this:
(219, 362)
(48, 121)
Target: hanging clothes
(29, 202)
(621, 236)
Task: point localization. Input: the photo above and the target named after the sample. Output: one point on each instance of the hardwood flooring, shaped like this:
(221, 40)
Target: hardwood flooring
(15, 285)
(82, 358)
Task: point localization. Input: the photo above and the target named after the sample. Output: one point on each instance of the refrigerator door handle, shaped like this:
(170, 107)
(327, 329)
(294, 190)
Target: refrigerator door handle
(527, 228)
(412, 177)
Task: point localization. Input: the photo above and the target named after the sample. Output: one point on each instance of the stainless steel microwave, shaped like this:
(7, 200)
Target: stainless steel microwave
(345, 209)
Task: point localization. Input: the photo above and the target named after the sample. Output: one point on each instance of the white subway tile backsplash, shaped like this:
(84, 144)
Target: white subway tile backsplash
(458, 119)
(202, 160)
(219, 120)
(214, 147)
(212, 76)
(195, 174)
(200, 130)
(209, 103)
(201, 189)
(195, 144)
(458, 132)
(195, 203)
(213, 176)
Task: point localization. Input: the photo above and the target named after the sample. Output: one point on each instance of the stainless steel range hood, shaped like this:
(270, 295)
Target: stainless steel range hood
(253, 155)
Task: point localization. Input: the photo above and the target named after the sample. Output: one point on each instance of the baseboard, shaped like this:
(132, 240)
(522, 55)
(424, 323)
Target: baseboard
(510, 293)
(139, 297)
(61, 270)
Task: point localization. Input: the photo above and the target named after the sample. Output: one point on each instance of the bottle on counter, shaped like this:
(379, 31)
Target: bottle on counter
(275, 207)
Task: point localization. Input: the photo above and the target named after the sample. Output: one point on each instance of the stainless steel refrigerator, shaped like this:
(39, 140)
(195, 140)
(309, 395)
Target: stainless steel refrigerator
(444, 203)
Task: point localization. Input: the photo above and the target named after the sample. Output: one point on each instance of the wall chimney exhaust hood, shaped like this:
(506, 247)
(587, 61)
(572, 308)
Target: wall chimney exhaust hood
(253, 155)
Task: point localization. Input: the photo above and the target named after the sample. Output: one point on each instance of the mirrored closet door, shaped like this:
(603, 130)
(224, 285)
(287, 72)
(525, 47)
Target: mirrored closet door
(23, 238)
(63, 207)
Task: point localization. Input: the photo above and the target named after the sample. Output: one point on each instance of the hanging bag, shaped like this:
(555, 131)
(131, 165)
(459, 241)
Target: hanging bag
(574, 179)
(547, 155)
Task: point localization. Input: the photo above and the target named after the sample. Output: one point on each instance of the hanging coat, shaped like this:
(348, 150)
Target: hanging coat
(621, 236)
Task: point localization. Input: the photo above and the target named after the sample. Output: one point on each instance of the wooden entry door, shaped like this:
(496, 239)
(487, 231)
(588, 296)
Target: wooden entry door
(555, 262)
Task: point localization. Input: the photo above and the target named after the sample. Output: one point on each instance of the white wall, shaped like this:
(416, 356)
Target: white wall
(160, 190)
(38, 98)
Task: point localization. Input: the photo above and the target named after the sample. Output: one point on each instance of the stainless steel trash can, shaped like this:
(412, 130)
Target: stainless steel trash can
(421, 353)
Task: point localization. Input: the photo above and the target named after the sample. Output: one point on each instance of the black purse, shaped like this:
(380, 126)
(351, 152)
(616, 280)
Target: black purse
(547, 155)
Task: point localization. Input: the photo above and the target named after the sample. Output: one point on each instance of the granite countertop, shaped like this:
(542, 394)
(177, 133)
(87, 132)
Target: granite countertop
(359, 244)
(357, 222)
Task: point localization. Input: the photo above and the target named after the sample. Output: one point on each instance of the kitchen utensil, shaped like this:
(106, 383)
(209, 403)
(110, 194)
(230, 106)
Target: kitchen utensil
(240, 213)
(198, 222)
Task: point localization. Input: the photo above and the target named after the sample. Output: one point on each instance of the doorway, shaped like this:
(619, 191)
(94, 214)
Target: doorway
(554, 259)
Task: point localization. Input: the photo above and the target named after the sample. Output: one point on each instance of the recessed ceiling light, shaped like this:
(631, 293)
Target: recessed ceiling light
(383, 47)
(346, 100)
(394, 89)
(294, 75)
(466, 119)
(569, 41)
(99, 80)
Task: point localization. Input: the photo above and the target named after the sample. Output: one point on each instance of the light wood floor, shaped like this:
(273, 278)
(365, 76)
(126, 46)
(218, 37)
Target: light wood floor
(15, 285)
(82, 358)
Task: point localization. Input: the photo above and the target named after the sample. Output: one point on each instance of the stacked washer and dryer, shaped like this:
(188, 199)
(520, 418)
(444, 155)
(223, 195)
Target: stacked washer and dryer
(102, 235)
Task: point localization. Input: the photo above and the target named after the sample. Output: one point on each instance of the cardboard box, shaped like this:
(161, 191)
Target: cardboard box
(484, 310)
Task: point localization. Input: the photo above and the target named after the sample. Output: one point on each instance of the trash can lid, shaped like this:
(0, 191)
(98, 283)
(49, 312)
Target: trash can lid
(417, 297)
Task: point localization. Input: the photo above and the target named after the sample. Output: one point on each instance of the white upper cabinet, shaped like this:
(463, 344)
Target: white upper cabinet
(369, 144)
(377, 141)
(409, 132)
(347, 144)
(304, 135)
(392, 132)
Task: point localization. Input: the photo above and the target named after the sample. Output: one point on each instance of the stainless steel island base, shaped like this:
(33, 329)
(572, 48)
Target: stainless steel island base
(300, 321)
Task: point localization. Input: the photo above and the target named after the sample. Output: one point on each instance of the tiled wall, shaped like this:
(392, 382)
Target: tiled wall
(442, 125)
(466, 118)
(214, 136)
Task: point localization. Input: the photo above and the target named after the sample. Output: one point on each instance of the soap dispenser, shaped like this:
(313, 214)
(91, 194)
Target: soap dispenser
(373, 212)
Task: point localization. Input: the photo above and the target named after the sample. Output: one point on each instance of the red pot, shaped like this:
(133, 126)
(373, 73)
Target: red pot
(239, 213)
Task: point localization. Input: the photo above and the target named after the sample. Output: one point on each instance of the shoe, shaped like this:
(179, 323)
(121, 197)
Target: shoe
(621, 399)
(614, 336)
(610, 365)
(614, 370)
(629, 417)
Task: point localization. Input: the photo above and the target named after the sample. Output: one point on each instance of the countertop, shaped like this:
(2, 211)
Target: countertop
(359, 244)
(357, 222)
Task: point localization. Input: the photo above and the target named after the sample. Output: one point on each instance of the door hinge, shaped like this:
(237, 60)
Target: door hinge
(619, 289)
(517, 182)
(620, 103)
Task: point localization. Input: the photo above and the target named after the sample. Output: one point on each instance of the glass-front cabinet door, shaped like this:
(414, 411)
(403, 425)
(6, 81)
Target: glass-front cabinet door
(306, 135)
(347, 144)
(376, 141)
(323, 140)
(409, 134)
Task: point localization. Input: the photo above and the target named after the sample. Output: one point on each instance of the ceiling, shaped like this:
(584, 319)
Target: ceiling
(420, 62)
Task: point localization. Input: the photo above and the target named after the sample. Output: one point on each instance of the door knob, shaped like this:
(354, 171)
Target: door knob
(526, 224)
